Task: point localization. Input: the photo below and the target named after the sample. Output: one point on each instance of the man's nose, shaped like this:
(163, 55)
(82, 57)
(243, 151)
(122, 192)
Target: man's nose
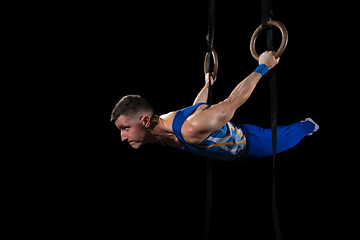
(123, 137)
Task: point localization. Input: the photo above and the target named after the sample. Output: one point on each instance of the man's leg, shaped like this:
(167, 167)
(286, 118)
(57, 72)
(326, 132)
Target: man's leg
(289, 136)
(260, 140)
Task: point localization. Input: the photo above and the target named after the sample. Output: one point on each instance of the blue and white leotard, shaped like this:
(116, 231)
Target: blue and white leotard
(226, 144)
(243, 142)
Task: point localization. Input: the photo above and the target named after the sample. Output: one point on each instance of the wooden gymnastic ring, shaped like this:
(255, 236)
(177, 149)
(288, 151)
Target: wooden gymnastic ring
(284, 40)
(216, 64)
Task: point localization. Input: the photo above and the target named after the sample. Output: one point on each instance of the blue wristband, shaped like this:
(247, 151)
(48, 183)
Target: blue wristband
(262, 69)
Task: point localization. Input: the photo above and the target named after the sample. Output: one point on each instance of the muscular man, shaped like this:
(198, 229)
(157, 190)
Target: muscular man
(206, 130)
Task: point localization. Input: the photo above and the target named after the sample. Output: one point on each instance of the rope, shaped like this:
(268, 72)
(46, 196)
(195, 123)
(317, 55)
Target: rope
(210, 43)
(267, 14)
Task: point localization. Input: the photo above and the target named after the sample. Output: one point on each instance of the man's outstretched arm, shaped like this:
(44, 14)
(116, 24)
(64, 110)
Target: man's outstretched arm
(212, 118)
(245, 88)
(203, 94)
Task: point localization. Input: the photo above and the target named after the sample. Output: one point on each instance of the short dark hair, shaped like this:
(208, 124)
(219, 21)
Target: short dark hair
(130, 105)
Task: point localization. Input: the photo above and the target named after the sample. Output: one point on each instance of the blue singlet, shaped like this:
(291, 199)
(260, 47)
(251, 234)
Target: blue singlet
(226, 144)
(244, 142)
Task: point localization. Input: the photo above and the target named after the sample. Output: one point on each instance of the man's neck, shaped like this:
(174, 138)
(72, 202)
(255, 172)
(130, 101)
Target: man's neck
(160, 130)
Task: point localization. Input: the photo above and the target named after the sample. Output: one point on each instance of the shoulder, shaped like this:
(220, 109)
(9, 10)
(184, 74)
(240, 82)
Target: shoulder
(192, 129)
(168, 116)
(190, 133)
(167, 119)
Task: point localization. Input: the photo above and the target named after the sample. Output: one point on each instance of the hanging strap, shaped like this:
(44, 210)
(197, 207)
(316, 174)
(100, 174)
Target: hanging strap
(210, 41)
(267, 14)
(209, 162)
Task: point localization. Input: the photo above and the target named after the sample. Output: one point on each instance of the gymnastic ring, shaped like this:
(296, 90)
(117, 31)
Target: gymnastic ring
(216, 64)
(284, 40)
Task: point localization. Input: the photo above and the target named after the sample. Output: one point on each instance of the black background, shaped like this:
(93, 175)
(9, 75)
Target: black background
(96, 186)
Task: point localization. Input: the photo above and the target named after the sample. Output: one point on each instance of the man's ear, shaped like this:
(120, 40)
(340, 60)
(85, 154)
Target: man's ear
(146, 121)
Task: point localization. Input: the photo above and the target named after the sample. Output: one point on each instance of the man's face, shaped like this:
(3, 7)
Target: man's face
(132, 130)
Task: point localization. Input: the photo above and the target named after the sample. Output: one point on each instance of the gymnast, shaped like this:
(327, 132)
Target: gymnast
(206, 130)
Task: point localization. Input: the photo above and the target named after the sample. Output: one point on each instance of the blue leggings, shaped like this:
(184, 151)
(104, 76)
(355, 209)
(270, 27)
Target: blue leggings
(260, 141)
